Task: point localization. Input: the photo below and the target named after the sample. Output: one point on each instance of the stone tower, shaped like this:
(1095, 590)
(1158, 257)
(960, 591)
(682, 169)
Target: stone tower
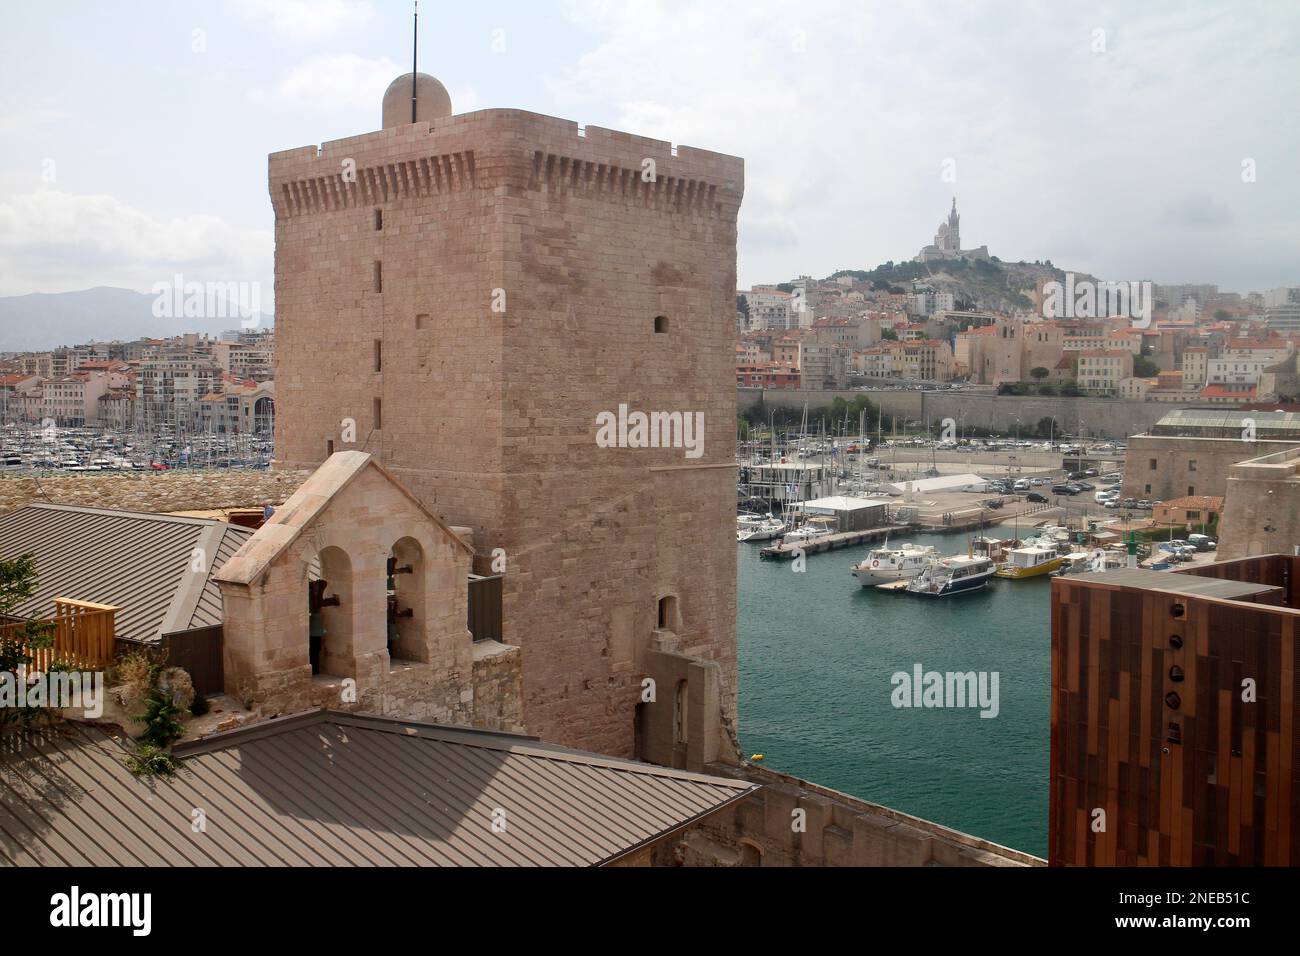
(467, 297)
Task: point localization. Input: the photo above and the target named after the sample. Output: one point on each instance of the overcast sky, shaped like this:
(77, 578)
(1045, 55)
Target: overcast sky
(1108, 138)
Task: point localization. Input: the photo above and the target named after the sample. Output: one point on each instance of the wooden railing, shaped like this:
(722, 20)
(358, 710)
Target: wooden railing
(83, 636)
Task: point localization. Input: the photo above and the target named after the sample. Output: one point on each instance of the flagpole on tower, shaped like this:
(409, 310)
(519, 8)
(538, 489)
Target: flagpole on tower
(415, 45)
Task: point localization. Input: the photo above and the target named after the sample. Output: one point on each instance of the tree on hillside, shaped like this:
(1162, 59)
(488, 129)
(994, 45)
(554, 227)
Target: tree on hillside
(1143, 367)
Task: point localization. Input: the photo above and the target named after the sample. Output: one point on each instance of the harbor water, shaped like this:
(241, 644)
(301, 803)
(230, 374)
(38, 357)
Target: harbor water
(818, 654)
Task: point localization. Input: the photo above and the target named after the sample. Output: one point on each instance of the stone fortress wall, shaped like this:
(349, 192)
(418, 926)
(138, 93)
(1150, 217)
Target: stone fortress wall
(500, 279)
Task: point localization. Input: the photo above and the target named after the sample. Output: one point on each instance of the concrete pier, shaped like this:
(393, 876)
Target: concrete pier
(831, 542)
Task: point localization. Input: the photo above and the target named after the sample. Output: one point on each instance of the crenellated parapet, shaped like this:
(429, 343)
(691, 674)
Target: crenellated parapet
(489, 149)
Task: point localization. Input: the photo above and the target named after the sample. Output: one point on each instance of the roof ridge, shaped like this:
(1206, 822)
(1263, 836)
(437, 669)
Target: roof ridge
(112, 512)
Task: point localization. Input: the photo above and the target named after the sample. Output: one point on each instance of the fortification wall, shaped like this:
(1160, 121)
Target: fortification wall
(154, 491)
(518, 276)
(1095, 417)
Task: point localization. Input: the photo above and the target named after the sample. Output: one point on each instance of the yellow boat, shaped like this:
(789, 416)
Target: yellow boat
(1029, 562)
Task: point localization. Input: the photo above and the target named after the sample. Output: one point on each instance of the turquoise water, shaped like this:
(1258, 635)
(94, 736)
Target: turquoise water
(817, 652)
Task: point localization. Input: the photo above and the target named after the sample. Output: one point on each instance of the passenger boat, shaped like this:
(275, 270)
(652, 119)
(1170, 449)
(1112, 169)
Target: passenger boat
(1029, 562)
(892, 564)
(942, 577)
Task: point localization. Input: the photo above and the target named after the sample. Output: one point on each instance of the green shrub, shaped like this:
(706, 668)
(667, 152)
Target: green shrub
(151, 761)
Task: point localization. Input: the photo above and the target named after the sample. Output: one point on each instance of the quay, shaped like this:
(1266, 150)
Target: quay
(831, 542)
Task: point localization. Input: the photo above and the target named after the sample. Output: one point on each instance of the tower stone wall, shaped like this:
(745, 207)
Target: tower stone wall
(470, 295)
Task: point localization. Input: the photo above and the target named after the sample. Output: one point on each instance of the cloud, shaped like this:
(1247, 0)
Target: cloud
(326, 84)
(1197, 212)
(305, 21)
(845, 113)
(28, 121)
(57, 241)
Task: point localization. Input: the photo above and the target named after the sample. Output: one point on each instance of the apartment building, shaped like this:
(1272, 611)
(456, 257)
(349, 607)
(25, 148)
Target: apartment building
(73, 401)
(1100, 371)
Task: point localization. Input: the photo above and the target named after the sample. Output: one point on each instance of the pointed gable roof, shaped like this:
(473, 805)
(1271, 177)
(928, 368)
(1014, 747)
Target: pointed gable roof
(304, 506)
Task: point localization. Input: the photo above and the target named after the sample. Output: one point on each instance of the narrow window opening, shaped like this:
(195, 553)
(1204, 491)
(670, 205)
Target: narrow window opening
(379, 355)
(379, 219)
(379, 413)
(329, 447)
(668, 613)
(379, 276)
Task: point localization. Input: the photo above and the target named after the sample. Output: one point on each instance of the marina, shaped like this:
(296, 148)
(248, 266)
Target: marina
(817, 651)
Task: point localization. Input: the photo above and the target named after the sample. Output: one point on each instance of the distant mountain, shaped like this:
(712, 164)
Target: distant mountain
(45, 320)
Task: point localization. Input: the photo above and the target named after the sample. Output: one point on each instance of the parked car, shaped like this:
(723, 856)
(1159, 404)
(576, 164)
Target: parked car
(1037, 482)
(1143, 505)
(1034, 496)
(1201, 542)
(1022, 485)
(1070, 490)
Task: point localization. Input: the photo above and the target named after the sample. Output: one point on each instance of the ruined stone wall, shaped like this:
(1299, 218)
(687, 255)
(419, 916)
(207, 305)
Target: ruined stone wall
(154, 491)
(488, 415)
(1261, 508)
(498, 687)
(834, 829)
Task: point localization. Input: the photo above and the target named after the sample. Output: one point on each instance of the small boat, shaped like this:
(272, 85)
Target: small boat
(764, 529)
(1076, 562)
(1029, 562)
(942, 577)
(892, 564)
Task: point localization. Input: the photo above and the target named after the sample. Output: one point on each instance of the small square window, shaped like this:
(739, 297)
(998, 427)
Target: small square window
(661, 323)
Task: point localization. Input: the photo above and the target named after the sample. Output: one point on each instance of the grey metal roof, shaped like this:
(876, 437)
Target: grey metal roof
(1176, 583)
(332, 789)
(136, 561)
(1227, 423)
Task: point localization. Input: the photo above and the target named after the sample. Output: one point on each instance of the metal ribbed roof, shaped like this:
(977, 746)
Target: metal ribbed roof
(331, 789)
(1227, 423)
(135, 561)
